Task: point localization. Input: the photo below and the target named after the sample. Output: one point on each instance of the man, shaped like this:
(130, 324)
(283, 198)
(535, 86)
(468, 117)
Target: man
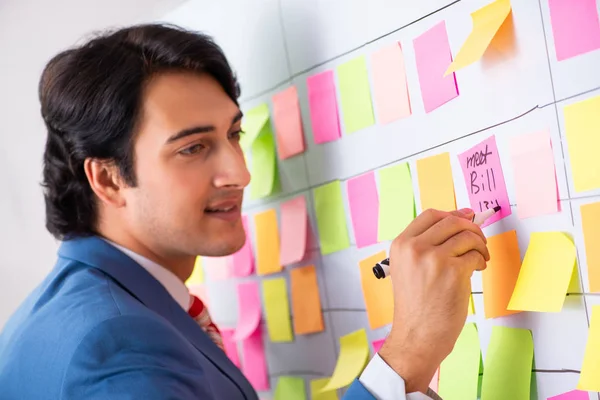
(142, 172)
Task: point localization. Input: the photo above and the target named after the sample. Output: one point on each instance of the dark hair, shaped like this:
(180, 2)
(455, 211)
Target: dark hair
(90, 101)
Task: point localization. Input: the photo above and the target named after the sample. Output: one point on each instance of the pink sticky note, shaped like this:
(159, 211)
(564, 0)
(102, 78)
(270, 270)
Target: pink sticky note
(294, 221)
(435, 381)
(572, 395)
(218, 268)
(323, 107)
(390, 88)
(364, 208)
(377, 344)
(288, 123)
(201, 292)
(243, 260)
(249, 310)
(230, 346)
(534, 174)
(575, 27)
(254, 364)
(433, 56)
(484, 179)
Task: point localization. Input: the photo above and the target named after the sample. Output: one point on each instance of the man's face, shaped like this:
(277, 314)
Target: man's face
(190, 168)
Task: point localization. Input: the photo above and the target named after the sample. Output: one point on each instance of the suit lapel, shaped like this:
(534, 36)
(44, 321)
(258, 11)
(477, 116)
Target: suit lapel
(99, 254)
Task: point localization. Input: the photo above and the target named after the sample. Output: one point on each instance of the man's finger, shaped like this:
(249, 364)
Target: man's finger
(464, 242)
(449, 227)
(430, 217)
(471, 261)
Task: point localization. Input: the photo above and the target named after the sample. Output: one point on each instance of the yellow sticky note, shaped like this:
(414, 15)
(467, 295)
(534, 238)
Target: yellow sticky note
(471, 310)
(253, 122)
(545, 274)
(396, 201)
(316, 385)
(436, 184)
(354, 353)
(267, 243)
(486, 22)
(331, 218)
(277, 310)
(590, 222)
(197, 276)
(378, 294)
(590, 371)
(582, 124)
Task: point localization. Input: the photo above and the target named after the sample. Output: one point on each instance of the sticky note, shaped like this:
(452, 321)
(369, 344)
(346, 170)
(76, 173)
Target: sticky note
(253, 123)
(390, 88)
(277, 310)
(582, 124)
(355, 94)
(290, 388)
(459, 372)
(508, 365)
(294, 233)
(436, 185)
(590, 223)
(288, 123)
(263, 164)
(331, 218)
(254, 365)
(197, 276)
(364, 208)
(201, 292)
(316, 393)
(471, 307)
(483, 175)
(396, 201)
(249, 311)
(433, 57)
(267, 242)
(243, 260)
(435, 381)
(572, 395)
(354, 353)
(377, 293)
(218, 268)
(590, 370)
(377, 344)
(486, 22)
(500, 276)
(230, 346)
(545, 274)
(534, 174)
(575, 27)
(322, 104)
(306, 303)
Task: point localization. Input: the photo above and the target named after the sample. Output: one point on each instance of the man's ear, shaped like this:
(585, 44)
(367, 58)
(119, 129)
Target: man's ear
(105, 180)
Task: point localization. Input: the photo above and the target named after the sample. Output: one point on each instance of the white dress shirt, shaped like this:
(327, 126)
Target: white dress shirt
(378, 377)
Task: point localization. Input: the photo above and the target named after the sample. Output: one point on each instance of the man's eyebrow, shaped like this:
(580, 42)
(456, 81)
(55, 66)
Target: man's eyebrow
(200, 129)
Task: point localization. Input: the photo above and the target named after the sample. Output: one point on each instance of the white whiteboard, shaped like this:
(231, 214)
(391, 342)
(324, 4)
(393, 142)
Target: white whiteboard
(273, 44)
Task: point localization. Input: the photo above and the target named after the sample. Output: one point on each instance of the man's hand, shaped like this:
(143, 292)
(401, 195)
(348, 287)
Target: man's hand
(431, 264)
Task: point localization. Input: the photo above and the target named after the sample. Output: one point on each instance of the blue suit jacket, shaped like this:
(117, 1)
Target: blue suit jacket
(101, 327)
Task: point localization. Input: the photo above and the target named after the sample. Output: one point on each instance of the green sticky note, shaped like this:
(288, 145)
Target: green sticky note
(316, 385)
(290, 388)
(396, 201)
(264, 164)
(508, 364)
(331, 218)
(355, 95)
(252, 124)
(277, 310)
(459, 372)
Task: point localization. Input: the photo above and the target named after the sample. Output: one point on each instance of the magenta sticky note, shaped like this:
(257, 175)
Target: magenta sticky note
(377, 344)
(254, 364)
(572, 395)
(249, 310)
(364, 208)
(243, 259)
(483, 175)
(294, 222)
(575, 27)
(230, 346)
(322, 103)
(433, 56)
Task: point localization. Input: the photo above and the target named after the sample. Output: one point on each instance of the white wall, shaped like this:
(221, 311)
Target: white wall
(32, 31)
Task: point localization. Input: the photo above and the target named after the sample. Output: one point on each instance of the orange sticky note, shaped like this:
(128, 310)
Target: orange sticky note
(306, 303)
(294, 221)
(288, 123)
(389, 84)
(378, 295)
(436, 184)
(267, 243)
(590, 221)
(501, 274)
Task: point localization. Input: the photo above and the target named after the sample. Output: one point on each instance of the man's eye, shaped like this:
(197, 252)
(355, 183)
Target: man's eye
(236, 135)
(194, 149)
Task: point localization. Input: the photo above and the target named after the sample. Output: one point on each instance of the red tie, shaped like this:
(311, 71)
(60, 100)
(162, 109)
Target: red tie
(200, 314)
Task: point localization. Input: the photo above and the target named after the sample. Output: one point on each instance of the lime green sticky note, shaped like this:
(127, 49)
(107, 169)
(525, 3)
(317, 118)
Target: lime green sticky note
(355, 94)
(277, 310)
(264, 164)
(508, 364)
(459, 372)
(316, 385)
(396, 201)
(290, 388)
(331, 218)
(253, 122)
